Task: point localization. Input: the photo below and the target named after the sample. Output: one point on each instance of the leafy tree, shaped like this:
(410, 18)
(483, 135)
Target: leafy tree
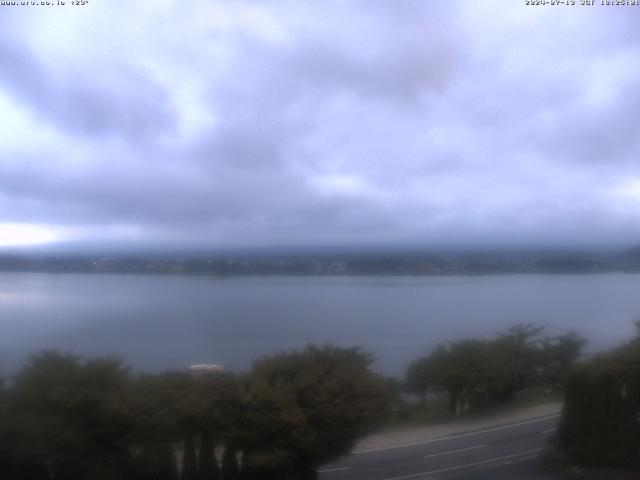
(558, 356)
(5, 448)
(167, 468)
(418, 378)
(230, 467)
(92, 420)
(156, 425)
(600, 423)
(189, 460)
(73, 416)
(464, 370)
(516, 354)
(208, 468)
(475, 373)
(222, 409)
(307, 407)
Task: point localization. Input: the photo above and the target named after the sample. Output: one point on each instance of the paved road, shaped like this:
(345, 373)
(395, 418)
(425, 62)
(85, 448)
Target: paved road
(498, 453)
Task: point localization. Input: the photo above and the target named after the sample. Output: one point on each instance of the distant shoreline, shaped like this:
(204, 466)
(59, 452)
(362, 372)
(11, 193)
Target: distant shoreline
(349, 265)
(320, 275)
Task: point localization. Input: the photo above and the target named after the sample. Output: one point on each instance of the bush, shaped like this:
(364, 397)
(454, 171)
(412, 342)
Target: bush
(601, 418)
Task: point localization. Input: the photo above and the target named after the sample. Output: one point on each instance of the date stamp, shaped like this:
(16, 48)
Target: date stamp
(42, 3)
(582, 3)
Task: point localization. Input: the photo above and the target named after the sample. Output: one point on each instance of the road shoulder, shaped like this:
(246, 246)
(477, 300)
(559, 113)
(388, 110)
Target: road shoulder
(398, 438)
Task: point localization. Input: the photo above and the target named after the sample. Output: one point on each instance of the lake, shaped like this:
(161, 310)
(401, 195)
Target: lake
(169, 322)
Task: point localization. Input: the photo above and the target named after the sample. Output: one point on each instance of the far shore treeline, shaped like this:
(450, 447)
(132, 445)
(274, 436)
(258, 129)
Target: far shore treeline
(63, 417)
(338, 262)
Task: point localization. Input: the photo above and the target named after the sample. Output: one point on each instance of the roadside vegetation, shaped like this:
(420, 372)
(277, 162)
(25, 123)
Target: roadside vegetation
(600, 425)
(471, 375)
(63, 418)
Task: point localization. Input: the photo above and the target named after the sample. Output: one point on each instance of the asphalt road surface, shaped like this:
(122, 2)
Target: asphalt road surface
(498, 453)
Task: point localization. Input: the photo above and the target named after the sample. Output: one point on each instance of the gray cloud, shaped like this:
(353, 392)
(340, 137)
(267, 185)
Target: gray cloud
(298, 122)
(82, 101)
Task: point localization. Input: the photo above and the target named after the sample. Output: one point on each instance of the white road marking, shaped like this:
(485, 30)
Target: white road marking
(548, 431)
(460, 435)
(524, 459)
(451, 452)
(460, 467)
(327, 470)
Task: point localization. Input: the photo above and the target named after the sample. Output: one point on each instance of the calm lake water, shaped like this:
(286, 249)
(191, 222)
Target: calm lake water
(169, 322)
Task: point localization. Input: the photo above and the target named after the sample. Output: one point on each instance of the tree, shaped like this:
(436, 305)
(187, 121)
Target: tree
(7, 463)
(222, 409)
(208, 468)
(600, 424)
(166, 464)
(418, 378)
(465, 370)
(307, 407)
(558, 356)
(476, 373)
(230, 467)
(189, 460)
(156, 425)
(516, 355)
(74, 416)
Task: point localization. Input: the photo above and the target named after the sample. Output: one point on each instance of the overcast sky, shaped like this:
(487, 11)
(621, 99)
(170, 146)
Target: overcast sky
(252, 123)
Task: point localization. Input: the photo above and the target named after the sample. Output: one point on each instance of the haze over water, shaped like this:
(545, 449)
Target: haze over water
(168, 322)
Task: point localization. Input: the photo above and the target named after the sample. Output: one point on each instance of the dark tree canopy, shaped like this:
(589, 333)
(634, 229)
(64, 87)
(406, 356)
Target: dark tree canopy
(600, 420)
(475, 373)
(72, 415)
(208, 468)
(93, 420)
(230, 467)
(310, 406)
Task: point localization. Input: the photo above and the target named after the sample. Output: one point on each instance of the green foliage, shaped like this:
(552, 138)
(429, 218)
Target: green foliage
(5, 444)
(155, 463)
(476, 373)
(230, 467)
(207, 464)
(421, 376)
(222, 406)
(558, 356)
(153, 405)
(166, 466)
(189, 459)
(92, 420)
(73, 416)
(308, 407)
(601, 419)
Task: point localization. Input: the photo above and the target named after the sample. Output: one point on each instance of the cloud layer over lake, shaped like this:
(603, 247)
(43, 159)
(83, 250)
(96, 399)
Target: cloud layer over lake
(226, 123)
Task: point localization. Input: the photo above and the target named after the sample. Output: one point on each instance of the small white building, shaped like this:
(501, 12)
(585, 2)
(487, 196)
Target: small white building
(200, 369)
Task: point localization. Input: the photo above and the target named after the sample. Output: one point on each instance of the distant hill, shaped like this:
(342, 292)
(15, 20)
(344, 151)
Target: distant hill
(13, 262)
(633, 252)
(630, 259)
(335, 263)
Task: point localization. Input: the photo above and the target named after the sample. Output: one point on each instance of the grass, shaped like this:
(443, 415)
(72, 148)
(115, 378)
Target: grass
(436, 410)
